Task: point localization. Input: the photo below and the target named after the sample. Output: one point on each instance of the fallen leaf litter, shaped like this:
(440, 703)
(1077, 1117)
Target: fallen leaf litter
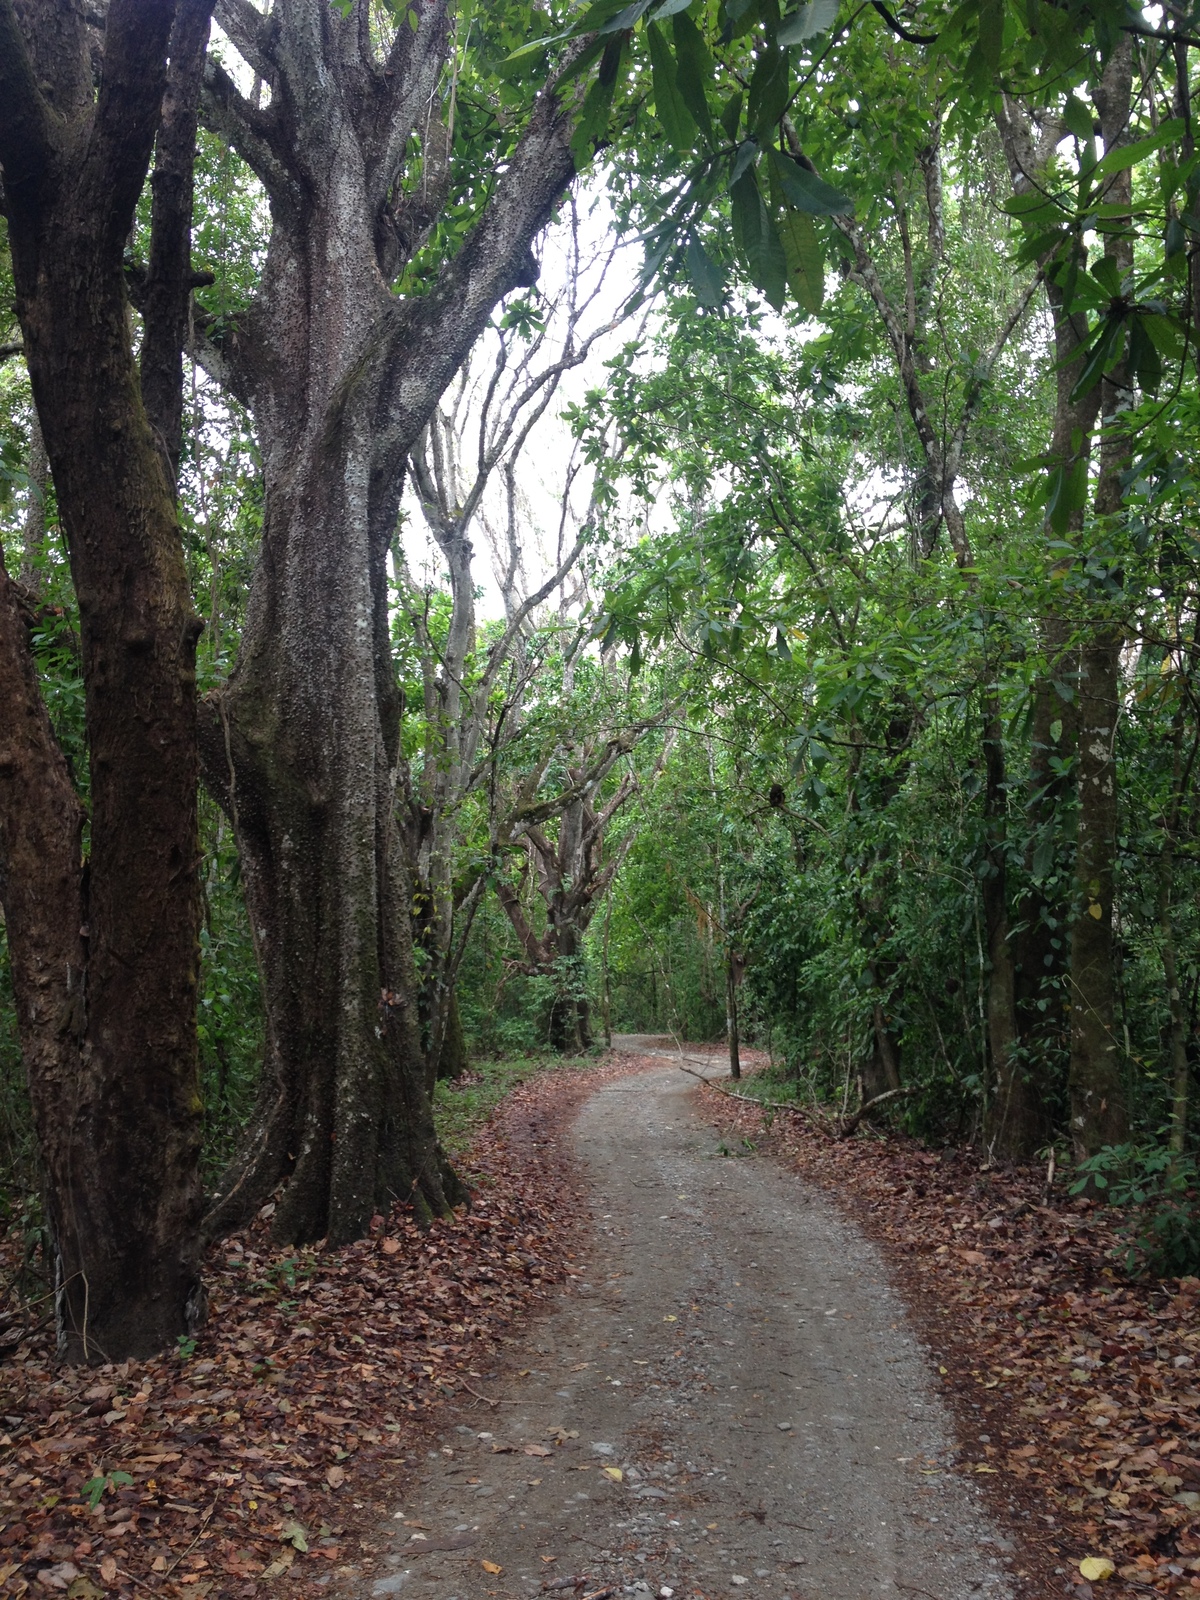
(263, 1451)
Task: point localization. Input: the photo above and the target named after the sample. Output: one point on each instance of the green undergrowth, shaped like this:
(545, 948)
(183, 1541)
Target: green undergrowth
(462, 1105)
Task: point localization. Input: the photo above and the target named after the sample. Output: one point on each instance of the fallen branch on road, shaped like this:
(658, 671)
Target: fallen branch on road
(839, 1127)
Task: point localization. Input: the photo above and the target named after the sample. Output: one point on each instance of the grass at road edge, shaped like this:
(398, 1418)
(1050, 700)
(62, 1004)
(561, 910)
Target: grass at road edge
(461, 1106)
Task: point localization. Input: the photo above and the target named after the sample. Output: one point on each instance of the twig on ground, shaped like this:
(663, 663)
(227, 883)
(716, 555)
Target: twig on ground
(766, 1105)
(487, 1401)
(204, 1521)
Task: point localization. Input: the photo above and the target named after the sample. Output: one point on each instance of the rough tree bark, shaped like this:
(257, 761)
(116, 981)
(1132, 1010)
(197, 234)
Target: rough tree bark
(301, 745)
(104, 957)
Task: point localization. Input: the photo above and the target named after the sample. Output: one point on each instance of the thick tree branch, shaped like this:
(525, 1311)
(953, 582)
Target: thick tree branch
(128, 107)
(412, 73)
(26, 136)
(169, 278)
(428, 338)
(249, 32)
(251, 132)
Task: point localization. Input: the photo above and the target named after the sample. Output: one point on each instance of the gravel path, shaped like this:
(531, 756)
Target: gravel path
(728, 1401)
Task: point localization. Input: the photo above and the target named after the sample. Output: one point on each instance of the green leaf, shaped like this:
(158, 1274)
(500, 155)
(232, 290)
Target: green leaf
(1144, 361)
(624, 20)
(694, 70)
(707, 278)
(770, 91)
(1077, 117)
(757, 240)
(1107, 274)
(671, 8)
(731, 116)
(593, 119)
(1169, 335)
(1103, 353)
(746, 157)
(1067, 491)
(806, 23)
(677, 121)
(805, 261)
(806, 192)
(1128, 155)
(1176, 240)
(741, 15)
(983, 64)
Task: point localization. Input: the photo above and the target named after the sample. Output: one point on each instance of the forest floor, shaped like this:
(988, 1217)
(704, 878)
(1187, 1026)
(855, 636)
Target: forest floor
(649, 1357)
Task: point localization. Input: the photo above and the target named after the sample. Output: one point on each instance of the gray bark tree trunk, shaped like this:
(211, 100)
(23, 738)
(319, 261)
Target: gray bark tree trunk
(1098, 1113)
(302, 743)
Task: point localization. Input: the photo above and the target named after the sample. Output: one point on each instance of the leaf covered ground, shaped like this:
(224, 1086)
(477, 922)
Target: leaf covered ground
(1076, 1388)
(270, 1447)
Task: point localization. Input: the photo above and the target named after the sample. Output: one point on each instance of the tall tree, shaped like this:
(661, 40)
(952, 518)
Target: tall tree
(104, 951)
(341, 360)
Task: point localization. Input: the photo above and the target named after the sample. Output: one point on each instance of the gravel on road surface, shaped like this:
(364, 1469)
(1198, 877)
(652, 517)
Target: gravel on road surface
(728, 1400)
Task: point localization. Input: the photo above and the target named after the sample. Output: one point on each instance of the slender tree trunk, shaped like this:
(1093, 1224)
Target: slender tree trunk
(107, 999)
(731, 1017)
(1012, 1120)
(1098, 1115)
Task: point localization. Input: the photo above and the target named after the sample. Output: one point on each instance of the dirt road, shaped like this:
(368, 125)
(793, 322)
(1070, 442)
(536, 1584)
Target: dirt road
(728, 1400)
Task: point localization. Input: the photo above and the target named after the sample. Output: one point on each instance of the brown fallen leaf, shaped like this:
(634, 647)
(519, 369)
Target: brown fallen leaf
(490, 1566)
(536, 1450)
(335, 1477)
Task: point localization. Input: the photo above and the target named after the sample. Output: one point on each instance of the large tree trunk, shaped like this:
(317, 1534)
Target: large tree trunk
(105, 963)
(302, 745)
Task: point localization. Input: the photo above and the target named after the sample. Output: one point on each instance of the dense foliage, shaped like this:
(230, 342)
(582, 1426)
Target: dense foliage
(879, 682)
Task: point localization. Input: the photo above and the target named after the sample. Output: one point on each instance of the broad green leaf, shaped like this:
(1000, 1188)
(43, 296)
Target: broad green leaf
(1067, 491)
(677, 121)
(1105, 350)
(624, 20)
(757, 240)
(770, 90)
(805, 261)
(707, 278)
(806, 192)
(747, 155)
(818, 16)
(593, 119)
(1077, 117)
(1144, 361)
(983, 64)
(1128, 155)
(731, 116)
(670, 8)
(1168, 334)
(741, 15)
(694, 70)
(1107, 274)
